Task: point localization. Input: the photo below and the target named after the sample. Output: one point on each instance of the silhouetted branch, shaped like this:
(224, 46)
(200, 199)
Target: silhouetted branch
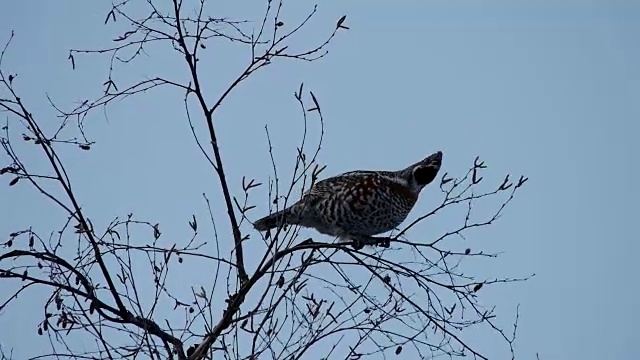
(292, 298)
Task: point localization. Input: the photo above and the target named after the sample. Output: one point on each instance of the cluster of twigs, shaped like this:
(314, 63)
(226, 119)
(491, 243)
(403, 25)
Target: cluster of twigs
(292, 298)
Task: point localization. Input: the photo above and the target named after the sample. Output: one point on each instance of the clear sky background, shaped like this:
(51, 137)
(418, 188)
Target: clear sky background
(548, 89)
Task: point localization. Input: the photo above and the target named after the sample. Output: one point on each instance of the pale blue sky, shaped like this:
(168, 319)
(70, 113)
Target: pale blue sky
(549, 89)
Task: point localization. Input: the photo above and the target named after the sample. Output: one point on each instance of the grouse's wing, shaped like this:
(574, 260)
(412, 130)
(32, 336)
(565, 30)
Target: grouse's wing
(335, 184)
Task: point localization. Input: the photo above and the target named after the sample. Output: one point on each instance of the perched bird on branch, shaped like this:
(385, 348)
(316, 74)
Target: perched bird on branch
(359, 204)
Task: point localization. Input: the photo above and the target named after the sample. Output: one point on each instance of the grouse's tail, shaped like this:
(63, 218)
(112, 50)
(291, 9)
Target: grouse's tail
(272, 221)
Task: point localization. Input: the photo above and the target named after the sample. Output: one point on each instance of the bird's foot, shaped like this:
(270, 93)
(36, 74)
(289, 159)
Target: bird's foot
(384, 242)
(360, 241)
(358, 244)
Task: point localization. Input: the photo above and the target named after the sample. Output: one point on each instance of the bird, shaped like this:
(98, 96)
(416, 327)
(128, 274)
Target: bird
(356, 205)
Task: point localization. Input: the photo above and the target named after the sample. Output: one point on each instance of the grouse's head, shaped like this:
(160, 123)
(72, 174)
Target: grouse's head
(425, 171)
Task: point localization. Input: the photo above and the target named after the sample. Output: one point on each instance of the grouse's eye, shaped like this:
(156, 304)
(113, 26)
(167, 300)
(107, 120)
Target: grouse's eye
(424, 175)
